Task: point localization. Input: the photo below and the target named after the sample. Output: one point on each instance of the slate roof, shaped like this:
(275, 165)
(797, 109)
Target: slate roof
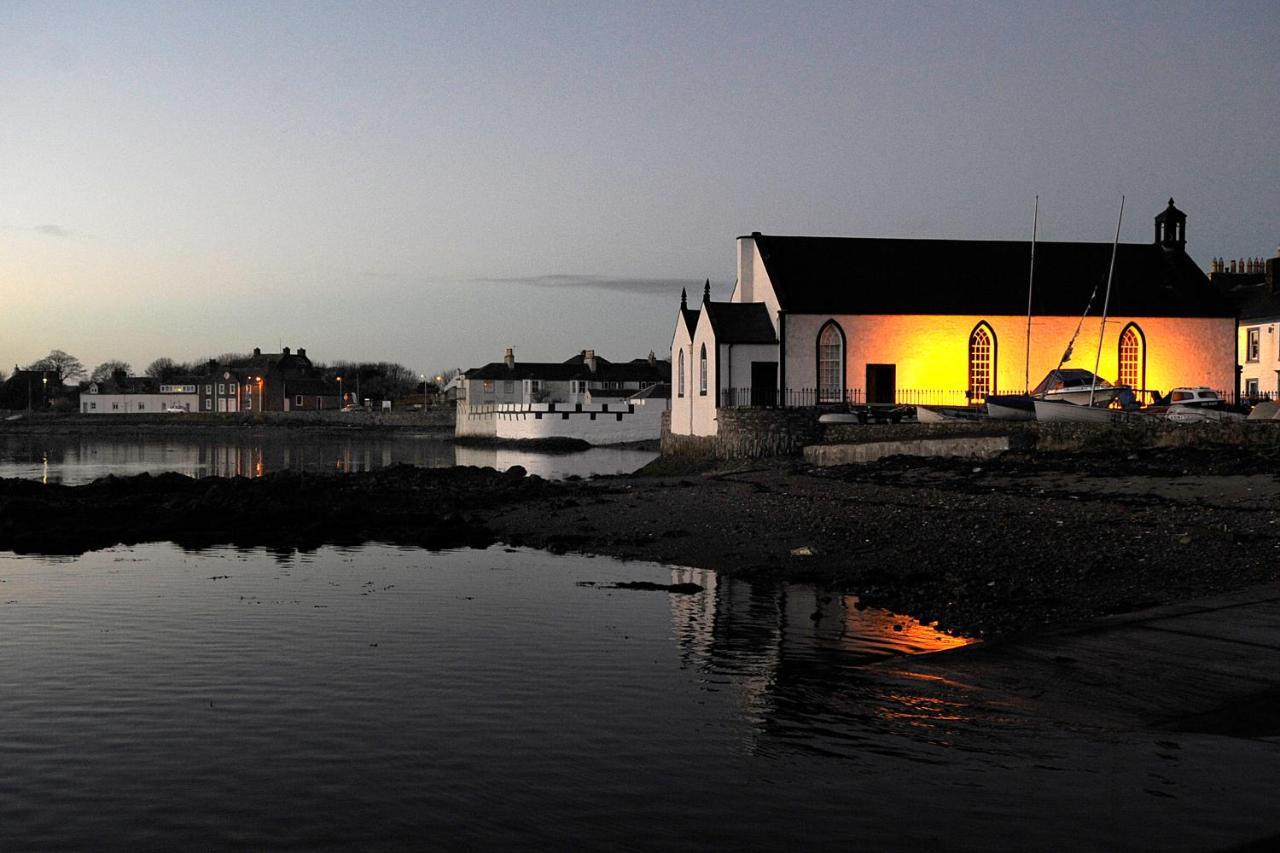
(1253, 296)
(740, 322)
(575, 367)
(856, 275)
(660, 391)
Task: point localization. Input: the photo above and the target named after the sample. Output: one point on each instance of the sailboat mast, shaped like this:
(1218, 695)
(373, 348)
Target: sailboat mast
(1031, 280)
(1106, 302)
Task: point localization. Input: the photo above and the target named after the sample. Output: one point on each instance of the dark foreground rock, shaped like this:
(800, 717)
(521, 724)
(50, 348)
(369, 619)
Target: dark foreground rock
(999, 547)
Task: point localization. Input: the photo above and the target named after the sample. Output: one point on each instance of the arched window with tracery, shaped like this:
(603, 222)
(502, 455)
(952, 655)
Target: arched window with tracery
(680, 374)
(831, 363)
(1133, 358)
(702, 372)
(982, 362)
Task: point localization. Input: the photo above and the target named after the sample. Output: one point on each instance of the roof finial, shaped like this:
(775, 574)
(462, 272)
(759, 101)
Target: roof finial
(684, 299)
(706, 291)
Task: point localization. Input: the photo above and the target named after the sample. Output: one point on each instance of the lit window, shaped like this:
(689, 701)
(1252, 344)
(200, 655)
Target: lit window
(982, 348)
(488, 386)
(702, 372)
(1251, 353)
(830, 364)
(1132, 357)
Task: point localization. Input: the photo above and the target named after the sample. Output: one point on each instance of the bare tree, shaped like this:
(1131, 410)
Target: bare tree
(114, 369)
(162, 368)
(67, 366)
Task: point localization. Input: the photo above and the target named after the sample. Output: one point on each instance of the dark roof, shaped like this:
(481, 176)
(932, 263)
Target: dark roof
(575, 368)
(740, 322)
(856, 275)
(1253, 294)
(690, 317)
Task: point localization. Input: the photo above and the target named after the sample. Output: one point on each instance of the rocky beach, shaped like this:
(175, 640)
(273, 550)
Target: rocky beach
(1028, 541)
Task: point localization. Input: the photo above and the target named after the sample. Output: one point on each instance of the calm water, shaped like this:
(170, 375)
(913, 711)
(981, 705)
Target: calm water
(382, 698)
(72, 459)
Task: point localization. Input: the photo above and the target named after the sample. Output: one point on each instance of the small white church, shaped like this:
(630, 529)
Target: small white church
(835, 320)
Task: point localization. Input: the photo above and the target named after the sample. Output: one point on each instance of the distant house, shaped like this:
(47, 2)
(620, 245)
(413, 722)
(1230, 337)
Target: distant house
(136, 395)
(30, 389)
(1250, 284)
(817, 321)
(282, 382)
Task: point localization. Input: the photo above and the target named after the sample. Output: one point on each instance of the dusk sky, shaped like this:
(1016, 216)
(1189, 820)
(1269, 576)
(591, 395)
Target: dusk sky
(431, 183)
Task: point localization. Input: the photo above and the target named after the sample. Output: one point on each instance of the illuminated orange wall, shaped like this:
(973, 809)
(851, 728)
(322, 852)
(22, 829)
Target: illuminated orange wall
(932, 351)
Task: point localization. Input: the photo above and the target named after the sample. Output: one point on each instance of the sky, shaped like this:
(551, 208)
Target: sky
(431, 183)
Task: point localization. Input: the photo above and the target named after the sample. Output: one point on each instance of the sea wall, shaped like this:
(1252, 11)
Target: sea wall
(595, 423)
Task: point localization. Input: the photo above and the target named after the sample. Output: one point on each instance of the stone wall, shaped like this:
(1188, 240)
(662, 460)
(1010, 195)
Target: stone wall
(748, 433)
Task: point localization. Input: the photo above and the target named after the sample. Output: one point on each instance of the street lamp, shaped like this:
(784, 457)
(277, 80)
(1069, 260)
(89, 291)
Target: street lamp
(423, 377)
(44, 390)
(341, 399)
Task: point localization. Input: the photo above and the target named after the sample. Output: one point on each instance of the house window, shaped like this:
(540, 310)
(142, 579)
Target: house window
(208, 389)
(143, 406)
(831, 363)
(1251, 352)
(222, 388)
(208, 404)
(1132, 357)
(508, 386)
(115, 407)
(1251, 389)
(93, 406)
(535, 385)
(680, 375)
(297, 401)
(982, 362)
(488, 386)
(248, 402)
(702, 372)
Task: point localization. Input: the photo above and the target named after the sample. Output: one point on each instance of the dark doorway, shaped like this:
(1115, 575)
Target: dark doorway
(764, 383)
(882, 383)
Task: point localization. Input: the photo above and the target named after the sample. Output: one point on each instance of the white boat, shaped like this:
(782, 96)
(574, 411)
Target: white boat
(1058, 410)
(1078, 386)
(1011, 407)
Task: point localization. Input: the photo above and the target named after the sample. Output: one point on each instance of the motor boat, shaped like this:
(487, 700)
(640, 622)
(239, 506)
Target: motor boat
(1079, 387)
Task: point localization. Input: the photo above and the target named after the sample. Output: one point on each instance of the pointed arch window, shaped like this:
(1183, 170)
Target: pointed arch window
(1133, 357)
(702, 372)
(680, 375)
(831, 363)
(982, 362)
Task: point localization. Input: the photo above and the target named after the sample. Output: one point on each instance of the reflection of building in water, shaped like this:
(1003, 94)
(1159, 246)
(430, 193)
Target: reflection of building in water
(795, 653)
(553, 466)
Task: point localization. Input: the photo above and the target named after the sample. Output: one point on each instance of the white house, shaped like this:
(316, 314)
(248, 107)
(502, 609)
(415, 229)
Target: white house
(867, 320)
(585, 397)
(1251, 285)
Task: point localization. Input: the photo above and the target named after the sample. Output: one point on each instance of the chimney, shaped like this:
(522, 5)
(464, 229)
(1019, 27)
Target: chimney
(589, 359)
(284, 351)
(257, 350)
(302, 352)
(653, 359)
(1272, 263)
(510, 359)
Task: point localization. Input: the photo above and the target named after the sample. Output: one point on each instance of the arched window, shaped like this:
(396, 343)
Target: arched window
(1133, 358)
(680, 375)
(831, 363)
(982, 362)
(702, 372)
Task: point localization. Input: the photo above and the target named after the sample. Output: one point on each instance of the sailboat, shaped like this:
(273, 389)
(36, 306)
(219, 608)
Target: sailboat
(1073, 404)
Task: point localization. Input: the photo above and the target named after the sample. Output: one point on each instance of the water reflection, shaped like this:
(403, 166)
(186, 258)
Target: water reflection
(796, 656)
(75, 459)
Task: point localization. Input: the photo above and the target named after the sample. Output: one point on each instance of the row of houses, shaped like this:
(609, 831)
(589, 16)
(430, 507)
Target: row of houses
(835, 320)
(263, 382)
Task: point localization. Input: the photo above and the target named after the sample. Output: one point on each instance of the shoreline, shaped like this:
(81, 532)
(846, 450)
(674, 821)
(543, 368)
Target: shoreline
(1020, 544)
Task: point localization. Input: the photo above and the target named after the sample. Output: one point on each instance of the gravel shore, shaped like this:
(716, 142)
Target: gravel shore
(997, 548)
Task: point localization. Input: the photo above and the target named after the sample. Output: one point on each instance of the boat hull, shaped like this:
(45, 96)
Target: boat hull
(1011, 407)
(1054, 410)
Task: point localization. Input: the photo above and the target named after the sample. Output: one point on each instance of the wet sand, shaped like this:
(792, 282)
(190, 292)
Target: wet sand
(999, 548)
